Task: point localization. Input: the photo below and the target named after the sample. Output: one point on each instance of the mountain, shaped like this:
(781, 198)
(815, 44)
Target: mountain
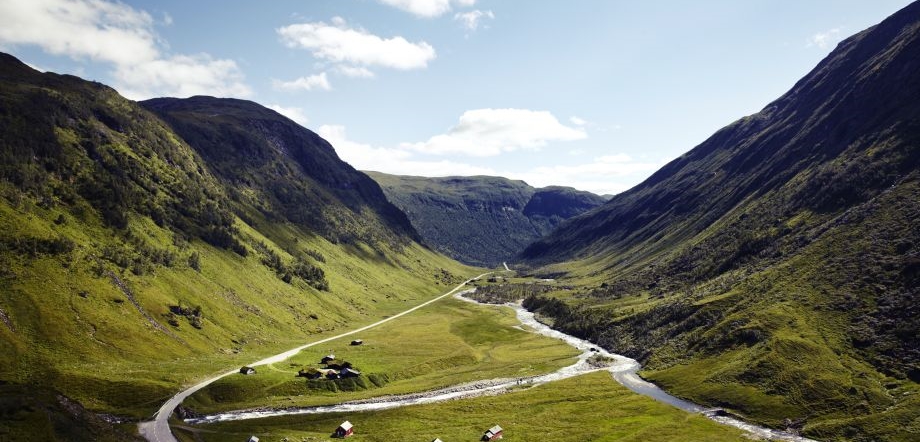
(282, 170)
(482, 220)
(774, 268)
(139, 253)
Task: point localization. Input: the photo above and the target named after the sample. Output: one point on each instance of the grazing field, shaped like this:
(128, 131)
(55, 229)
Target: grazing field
(590, 407)
(447, 343)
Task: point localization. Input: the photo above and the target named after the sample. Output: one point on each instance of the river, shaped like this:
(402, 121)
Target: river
(624, 370)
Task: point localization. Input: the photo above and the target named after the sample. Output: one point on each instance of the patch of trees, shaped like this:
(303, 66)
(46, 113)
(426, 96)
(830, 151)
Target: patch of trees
(192, 314)
(300, 268)
(34, 247)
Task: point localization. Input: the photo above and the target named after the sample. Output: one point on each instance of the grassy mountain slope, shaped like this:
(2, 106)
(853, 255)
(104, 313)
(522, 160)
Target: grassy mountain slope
(773, 269)
(482, 220)
(130, 265)
(282, 170)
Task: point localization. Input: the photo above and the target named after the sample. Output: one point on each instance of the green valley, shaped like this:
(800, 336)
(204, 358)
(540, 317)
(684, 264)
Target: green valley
(209, 269)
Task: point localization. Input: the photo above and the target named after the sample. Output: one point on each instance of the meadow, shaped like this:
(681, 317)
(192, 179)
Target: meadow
(589, 407)
(447, 343)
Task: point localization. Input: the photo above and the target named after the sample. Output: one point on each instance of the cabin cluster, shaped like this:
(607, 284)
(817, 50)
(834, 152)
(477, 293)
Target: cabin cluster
(333, 369)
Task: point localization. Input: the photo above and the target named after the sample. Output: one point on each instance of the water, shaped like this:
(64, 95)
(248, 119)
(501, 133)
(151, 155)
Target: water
(624, 370)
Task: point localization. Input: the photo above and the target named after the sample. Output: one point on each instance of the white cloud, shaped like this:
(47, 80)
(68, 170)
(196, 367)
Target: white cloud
(355, 72)
(389, 160)
(427, 8)
(115, 33)
(825, 40)
(312, 82)
(472, 19)
(181, 76)
(489, 132)
(608, 174)
(294, 113)
(341, 44)
(577, 121)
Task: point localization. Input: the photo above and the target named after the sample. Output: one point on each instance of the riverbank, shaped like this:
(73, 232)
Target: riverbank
(624, 370)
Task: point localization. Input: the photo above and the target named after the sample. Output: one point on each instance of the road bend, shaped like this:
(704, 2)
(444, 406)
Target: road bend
(158, 430)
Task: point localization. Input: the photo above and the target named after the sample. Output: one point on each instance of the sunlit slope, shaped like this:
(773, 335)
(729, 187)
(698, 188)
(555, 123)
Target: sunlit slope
(130, 264)
(774, 268)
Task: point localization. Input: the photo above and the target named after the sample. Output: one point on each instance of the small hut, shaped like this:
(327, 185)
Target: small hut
(311, 373)
(247, 370)
(349, 373)
(344, 430)
(494, 433)
(357, 342)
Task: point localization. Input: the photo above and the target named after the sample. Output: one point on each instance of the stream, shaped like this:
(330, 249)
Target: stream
(624, 370)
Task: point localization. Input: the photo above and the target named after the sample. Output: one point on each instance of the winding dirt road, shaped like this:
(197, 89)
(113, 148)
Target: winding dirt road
(158, 430)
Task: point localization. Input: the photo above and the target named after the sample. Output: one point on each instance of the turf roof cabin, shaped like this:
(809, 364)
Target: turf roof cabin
(494, 433)
(344, 430)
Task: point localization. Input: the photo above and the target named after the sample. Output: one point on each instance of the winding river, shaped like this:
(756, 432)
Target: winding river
(623, 369)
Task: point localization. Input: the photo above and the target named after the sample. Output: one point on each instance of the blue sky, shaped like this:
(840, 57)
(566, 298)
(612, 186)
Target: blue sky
(586, 93)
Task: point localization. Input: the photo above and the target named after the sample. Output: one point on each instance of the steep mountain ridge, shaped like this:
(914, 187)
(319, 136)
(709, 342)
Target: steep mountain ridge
(134, 261)
(482, 220)
(772, 268)
(279, 167)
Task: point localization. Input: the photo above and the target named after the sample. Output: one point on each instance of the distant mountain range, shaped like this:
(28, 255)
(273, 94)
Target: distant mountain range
(482, 220)
(775, 268)
(145, 244)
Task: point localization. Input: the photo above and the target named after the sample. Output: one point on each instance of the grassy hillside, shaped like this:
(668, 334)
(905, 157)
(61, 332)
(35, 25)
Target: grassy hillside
(590, 407)
(482, 220)
(773, 268)
(129, 266)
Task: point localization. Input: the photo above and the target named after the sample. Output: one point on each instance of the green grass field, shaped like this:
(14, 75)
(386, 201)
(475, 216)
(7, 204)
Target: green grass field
(447, 343)
(73, 329)
(592, 407)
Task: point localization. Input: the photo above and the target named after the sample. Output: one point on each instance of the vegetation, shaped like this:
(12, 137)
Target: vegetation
(446, 344)
(131, 265)
(589, 407)
(482, 220)
(772, 269)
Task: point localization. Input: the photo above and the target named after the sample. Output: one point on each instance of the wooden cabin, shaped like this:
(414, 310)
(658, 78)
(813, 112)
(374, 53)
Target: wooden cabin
(349, 373)
(494, 433)
(344, 430)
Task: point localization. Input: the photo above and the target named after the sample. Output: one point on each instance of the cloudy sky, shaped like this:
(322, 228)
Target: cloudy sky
(591, 94)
